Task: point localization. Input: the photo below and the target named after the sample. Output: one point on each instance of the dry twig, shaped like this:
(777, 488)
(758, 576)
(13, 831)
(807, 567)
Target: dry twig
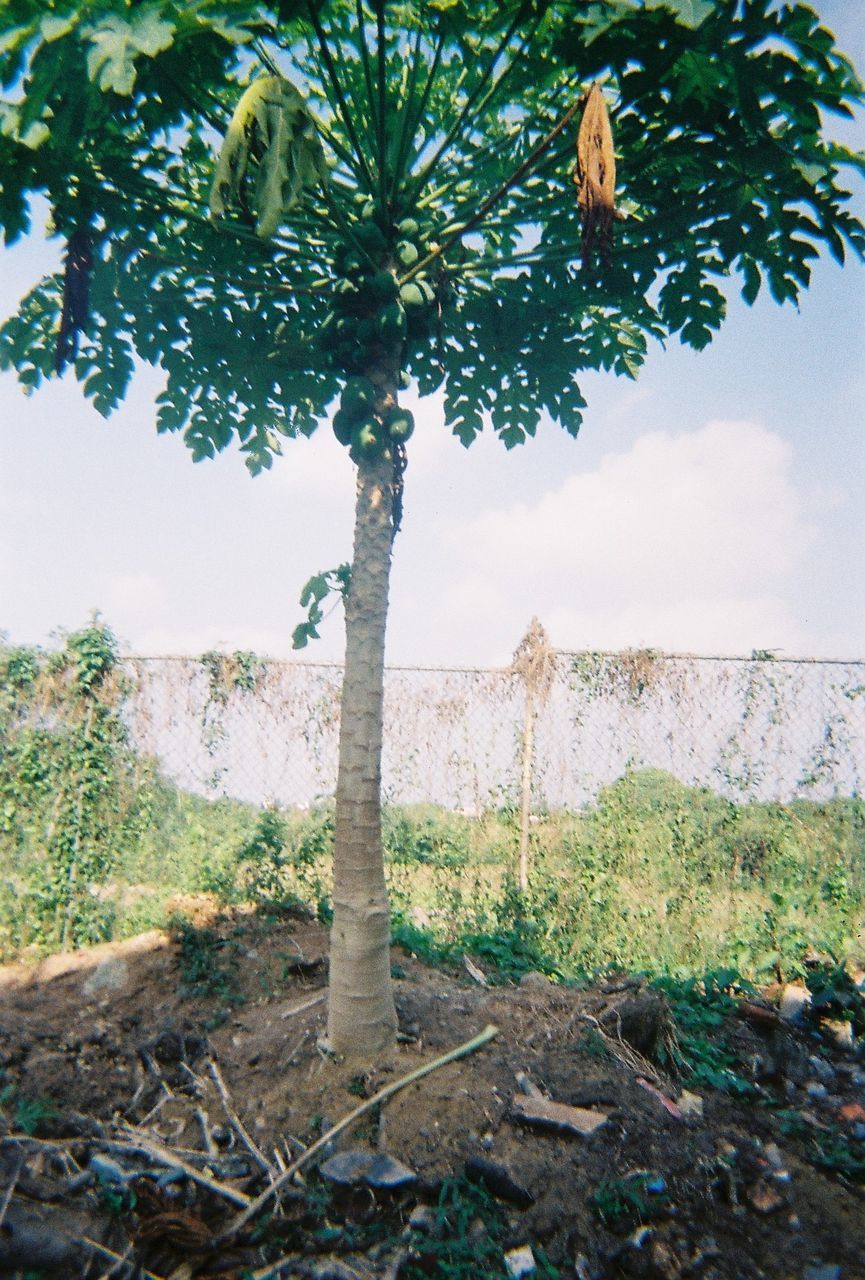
(235, 1120)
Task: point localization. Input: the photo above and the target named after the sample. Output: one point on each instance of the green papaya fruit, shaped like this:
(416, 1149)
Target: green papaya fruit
(342, 427)
(371, 237)
(382, 287)
(400, 424)
(358, 397)
(411, 295)
(392, 323)
(367, 437)
(407, 253)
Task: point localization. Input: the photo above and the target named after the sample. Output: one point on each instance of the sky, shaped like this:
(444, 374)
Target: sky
(714, 506)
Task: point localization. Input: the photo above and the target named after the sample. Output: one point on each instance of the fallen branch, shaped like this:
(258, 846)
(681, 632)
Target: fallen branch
(307, 1004)
(116, 1258)
(156, 1151)
(376, 1100)
(235, 1120)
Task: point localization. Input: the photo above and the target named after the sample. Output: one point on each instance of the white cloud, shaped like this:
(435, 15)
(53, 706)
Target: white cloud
(685, 541)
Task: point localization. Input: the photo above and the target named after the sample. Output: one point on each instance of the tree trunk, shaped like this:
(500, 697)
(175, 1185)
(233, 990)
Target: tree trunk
(361, 1013)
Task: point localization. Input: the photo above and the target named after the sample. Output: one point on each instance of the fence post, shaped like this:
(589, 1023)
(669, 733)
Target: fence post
(535, 663)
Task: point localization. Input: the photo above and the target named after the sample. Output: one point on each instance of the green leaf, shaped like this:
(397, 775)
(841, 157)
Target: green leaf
(115, 44)
(689, 13)
(53, 28)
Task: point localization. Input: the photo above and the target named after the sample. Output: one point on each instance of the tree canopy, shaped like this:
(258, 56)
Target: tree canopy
(436, 122)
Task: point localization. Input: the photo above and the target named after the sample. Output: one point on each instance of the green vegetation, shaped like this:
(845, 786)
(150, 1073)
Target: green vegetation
(656, 877)
(630, 1199)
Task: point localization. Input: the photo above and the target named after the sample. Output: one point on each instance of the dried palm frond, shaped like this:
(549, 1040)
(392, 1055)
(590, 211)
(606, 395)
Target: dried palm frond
(273, 126)
(595, 177)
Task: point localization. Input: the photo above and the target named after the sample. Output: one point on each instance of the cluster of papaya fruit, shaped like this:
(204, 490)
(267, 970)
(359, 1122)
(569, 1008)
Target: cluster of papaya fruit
(372, 313)
(363, 433)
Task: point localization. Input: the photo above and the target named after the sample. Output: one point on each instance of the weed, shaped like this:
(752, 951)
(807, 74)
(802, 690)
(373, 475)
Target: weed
(633, 1198)
(827, 1148)
(701, 1008)
(466, 1239)
(208, 962)
(26, 1115)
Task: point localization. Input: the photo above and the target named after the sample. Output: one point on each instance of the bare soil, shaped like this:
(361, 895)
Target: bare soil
(204, 1049)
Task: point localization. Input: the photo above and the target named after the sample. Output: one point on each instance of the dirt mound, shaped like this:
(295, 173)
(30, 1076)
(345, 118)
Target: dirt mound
(155, 1094)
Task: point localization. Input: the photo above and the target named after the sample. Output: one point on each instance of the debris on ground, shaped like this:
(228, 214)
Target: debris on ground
(158, 1125)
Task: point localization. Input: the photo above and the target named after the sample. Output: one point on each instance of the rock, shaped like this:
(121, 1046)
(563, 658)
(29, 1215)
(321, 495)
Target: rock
(111, 975)
(375, 1169)
(839, 1032)
(665, 1264)
(556, 1115)
(640, 1020)
(794, 1003)
(823, 1070)
(822, 1271)
(422, 1218)
(690, 1105)
(772, 1152)
(520, 1262)
(852, 1112)
(816, 1091)
(763, 1197)
(499, 1181)
(535, 981)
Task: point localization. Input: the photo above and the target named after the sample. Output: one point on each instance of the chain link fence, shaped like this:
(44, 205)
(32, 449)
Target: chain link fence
(266, 732)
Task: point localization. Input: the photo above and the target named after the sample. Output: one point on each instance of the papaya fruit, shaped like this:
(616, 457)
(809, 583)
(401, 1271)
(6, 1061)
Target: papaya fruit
(407, 253)
(367, 437)
(392, 324)
(342, 427)
(358, 397)
(399, 424)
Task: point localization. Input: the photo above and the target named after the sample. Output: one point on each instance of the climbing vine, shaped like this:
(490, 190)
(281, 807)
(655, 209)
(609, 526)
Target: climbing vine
(70, 789)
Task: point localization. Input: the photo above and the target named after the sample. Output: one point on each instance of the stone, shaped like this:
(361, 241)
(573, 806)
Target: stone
(111, 975)
(556, 1115)
(535, 981)
(816, 1090)
(690, 1105)
(499, 1181)
(794, 1004)
(763, 1197)
(839, 1031)
(822, 1070)
(375, 1169)
(822, 1271)
(520, 1262)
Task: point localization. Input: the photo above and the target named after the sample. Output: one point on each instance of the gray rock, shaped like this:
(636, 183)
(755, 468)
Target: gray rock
(375, 1169)
(111, 975)
(822, 1271)
(816, 1091)
(794, 1003)
(535, 981)
(822, 1069)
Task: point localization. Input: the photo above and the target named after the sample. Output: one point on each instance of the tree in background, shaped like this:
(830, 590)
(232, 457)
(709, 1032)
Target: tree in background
(395, 203)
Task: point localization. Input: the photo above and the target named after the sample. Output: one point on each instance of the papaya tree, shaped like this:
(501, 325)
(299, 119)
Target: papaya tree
(295, 209)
